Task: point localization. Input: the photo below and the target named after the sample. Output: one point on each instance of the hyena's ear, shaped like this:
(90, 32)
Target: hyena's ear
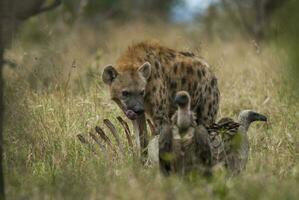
(145, 70)
(109, 74)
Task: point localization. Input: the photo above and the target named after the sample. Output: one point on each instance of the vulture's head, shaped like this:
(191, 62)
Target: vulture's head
(182, 99)
(251, 116)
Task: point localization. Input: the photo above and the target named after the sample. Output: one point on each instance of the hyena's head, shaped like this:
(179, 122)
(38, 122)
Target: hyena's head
(128, 87)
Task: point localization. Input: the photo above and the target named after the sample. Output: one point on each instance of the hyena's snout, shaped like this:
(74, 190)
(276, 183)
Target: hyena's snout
(134, 109)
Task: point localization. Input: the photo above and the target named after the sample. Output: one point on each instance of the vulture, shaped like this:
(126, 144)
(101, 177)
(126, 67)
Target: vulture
(189, 147)
(229, 140)
(184, 147)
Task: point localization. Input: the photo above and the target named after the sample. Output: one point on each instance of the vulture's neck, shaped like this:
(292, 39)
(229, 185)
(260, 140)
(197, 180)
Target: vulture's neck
(244, 124)
(184, 119)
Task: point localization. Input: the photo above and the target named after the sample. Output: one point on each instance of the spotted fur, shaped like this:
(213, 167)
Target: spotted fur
(171, 71)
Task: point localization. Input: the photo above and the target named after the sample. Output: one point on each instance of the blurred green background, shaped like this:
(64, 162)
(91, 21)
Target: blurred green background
(53, 91)
(259, 20)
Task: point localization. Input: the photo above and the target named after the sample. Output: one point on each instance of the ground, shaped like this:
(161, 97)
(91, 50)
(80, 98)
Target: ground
(55, 92)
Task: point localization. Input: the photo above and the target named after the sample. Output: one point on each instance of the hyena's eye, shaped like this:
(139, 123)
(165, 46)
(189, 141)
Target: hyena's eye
(125, 93)
(142, 93)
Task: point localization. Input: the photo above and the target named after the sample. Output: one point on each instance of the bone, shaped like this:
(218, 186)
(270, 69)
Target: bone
(97, 140)
(127, 130)
(114, 132)
(82, 139)
(151, 126)
(102, 134)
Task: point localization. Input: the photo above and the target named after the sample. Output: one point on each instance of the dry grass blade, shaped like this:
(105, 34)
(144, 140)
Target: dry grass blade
(114, 132)
(102, 134)
(127, 130)
(96, 139)
(151, 126)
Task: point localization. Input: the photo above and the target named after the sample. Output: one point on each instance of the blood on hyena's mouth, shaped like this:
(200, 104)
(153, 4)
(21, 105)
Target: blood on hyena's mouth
(131, 114)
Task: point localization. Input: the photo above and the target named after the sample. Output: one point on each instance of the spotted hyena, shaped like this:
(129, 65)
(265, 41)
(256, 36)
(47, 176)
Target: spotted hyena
(147, 76)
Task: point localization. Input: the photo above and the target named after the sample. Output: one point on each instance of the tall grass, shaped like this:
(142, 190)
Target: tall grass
(55, 92)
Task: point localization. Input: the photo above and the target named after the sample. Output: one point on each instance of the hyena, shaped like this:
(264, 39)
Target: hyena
(146, 78)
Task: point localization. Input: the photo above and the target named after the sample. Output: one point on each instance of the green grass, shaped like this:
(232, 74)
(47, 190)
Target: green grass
(55, 92)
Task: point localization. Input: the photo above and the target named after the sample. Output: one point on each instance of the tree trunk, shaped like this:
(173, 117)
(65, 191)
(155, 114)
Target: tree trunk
(2, 193)
(12, 13)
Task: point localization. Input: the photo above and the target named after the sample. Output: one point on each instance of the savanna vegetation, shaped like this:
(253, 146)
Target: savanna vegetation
(53, 91)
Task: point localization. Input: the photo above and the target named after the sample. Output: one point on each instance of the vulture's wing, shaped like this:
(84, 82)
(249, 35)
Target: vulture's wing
(225, 126)
(203, 146)
(174, 118)
(165, 150)
(223, 137)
